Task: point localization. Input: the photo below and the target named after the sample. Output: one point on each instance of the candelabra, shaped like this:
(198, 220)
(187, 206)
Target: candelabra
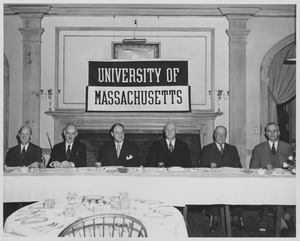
(48, 94)
(220, 94)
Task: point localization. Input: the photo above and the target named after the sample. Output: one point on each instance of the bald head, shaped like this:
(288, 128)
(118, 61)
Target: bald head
(220, 134)
(170, 131)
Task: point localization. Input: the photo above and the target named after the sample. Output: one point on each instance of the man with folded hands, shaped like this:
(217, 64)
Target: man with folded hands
(25, 153)
(119, 151)
(223, 155)
(170, 150)
(70, 152)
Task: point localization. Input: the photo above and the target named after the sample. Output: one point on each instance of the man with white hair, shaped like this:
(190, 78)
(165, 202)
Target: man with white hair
(25, 153)
(170, 150)
(69, 153)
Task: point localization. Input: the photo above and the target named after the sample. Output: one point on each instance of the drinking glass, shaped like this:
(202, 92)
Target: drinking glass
(213, 166)
(161, 165)
(72, 197)
(124, 201)
(49, 203)
(98, 166)
(269, 169)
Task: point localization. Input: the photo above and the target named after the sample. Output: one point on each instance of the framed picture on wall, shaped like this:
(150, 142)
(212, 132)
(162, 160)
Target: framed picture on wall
(135, 51)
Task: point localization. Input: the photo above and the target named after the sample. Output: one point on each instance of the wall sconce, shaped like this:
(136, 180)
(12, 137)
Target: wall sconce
(134, 40)
(48, 94)
(220, 94)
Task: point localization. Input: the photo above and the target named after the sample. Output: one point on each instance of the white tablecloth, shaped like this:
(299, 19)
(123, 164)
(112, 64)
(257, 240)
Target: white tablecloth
(160, 220)
(177, 188)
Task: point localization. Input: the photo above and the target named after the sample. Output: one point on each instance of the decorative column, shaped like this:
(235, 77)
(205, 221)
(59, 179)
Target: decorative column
(238, 33)
(32, 32)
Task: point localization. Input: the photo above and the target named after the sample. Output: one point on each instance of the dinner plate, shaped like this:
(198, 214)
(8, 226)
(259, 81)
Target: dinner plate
(111, 171)
(36, 206)
(122, 169)
(34, 220)
(261, 171)
(85, 169)
(95, 198)
(150, 201)
(176, 169)
(246, 171)
(278, 171)
(155, 215)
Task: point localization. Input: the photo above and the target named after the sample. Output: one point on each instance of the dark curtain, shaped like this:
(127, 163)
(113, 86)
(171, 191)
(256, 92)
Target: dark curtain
(282, 80)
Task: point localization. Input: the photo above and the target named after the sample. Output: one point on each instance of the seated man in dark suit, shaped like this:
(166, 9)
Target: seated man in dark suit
(25, 153)
(70, 152)
(224, 155)
(170, 150)
(119, 151)
(272, 152)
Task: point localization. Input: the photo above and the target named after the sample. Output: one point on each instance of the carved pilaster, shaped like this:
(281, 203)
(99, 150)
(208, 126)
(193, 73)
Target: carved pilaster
(238, 33)
(32, 17)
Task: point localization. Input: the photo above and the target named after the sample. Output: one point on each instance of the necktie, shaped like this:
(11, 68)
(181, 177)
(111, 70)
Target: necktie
(118, 150)
(273, 149)
(68, 153)
(171, 147)
(23, 154)
(221, 150)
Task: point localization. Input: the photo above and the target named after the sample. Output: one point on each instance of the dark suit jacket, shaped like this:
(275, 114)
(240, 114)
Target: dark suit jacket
(128, 155)
(210, 153)
(261, 155)
(78, 154)
(159, 152)
(33, 154)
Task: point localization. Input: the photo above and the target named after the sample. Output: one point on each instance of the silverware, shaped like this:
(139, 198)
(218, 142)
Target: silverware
(49, 228)
(35, 214)
(46, 227)
(42, 226)
(53, 228)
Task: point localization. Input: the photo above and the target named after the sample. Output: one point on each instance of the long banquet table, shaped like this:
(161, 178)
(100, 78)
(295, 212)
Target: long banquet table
(177, 187)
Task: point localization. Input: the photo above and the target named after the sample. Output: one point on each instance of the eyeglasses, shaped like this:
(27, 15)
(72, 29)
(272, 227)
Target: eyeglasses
(274, 131)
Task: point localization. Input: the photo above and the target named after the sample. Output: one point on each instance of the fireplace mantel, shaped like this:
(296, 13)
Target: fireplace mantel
(199, 121)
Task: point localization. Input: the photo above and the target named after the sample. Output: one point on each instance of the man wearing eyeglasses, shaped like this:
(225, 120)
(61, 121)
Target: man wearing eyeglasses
(271, 152)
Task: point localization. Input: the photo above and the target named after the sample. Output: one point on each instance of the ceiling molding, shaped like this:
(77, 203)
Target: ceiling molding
(265, 10)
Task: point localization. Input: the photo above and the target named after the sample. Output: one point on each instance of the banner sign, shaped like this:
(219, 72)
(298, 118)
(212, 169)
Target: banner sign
(157, 85)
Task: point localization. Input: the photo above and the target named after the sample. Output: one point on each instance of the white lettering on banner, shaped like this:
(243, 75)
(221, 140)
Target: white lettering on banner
(130, 75)
(172, 74)
(158, 98)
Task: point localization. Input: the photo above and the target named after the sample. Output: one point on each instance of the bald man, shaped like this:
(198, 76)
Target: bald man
(224, 155)
(170, 150)
(69, 151)
(25, 153)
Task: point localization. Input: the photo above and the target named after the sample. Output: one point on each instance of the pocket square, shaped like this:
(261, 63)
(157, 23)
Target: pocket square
(129, 157)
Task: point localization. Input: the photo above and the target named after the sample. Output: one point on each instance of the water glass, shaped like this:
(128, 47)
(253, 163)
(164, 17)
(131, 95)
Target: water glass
(70, 210)
(213, 166)
(72, 197)
(98, 166)
(269, 169)
(161, 165)
(123, 195)
(49, 203)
